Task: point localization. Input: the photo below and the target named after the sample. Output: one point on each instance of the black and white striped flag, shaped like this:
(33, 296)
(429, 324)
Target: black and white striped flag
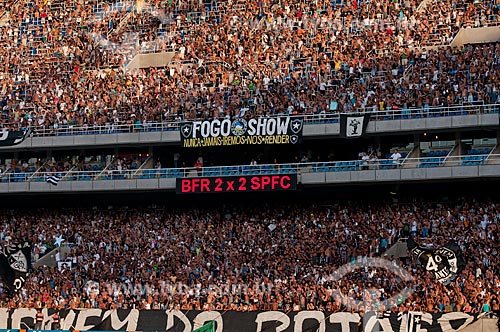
(54, 179)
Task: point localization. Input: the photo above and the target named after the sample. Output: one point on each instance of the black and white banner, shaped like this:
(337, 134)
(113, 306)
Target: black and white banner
(8, 137)
(241, 131)
(15, 263)
(353, 125)
(54, 179)
(254, 321)
(445, 262)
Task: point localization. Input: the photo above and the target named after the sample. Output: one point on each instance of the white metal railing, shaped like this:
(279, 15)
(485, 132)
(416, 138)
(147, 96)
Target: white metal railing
(108, 167)
(237, 170)
(40, 167)
(170, 125)
(143, 165)
(64, 175)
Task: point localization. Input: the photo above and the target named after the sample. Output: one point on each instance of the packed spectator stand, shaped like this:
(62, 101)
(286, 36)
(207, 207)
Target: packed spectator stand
(209, 258)
(64, 61)
(64, 64)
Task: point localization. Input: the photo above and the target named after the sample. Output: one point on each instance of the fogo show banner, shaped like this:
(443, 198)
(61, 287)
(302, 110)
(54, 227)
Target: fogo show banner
(241, 131)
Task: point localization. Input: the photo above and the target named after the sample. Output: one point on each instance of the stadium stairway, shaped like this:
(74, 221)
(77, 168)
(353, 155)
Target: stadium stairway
(494, 157)
(449, 160)
(414, 153)
(423, 5)
(123, 22)
(4, 18)
(38, 175)
(143, 172)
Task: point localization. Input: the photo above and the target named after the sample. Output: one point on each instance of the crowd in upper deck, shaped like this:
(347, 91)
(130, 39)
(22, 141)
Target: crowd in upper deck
(63, 61)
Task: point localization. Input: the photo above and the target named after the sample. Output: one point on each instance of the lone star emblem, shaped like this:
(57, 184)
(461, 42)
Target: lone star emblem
(296, 126)
(59, 241)
(186, 130)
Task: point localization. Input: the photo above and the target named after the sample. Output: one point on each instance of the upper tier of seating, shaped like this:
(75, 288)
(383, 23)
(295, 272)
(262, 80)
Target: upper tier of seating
(62, 60)
(133, 170)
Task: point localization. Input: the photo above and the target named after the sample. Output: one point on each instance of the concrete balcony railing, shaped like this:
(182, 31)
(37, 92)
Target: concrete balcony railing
(309, 119)
(337, 172)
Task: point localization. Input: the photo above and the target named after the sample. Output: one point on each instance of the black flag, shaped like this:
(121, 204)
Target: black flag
(9, 137)
(445, 262)
(15, 263)
(353, 125)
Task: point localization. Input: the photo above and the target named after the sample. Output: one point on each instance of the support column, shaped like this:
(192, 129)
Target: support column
(416, 141)
(458, 141)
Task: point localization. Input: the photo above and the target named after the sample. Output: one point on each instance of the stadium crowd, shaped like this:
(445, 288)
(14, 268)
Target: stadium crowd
(255, 257)
(62, 61)
(62, 65)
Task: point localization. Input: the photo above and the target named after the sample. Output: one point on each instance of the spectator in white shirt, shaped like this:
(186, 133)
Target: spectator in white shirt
(396, 157)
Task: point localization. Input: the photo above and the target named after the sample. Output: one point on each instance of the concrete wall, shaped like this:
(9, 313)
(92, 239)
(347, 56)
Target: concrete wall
(483, 325)
(150, 60)
(477, 36)
(310, 130)
(410, 125)
(344, 177)
(449, 122)
(82, 141)
(402, 175)
(49, 259)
